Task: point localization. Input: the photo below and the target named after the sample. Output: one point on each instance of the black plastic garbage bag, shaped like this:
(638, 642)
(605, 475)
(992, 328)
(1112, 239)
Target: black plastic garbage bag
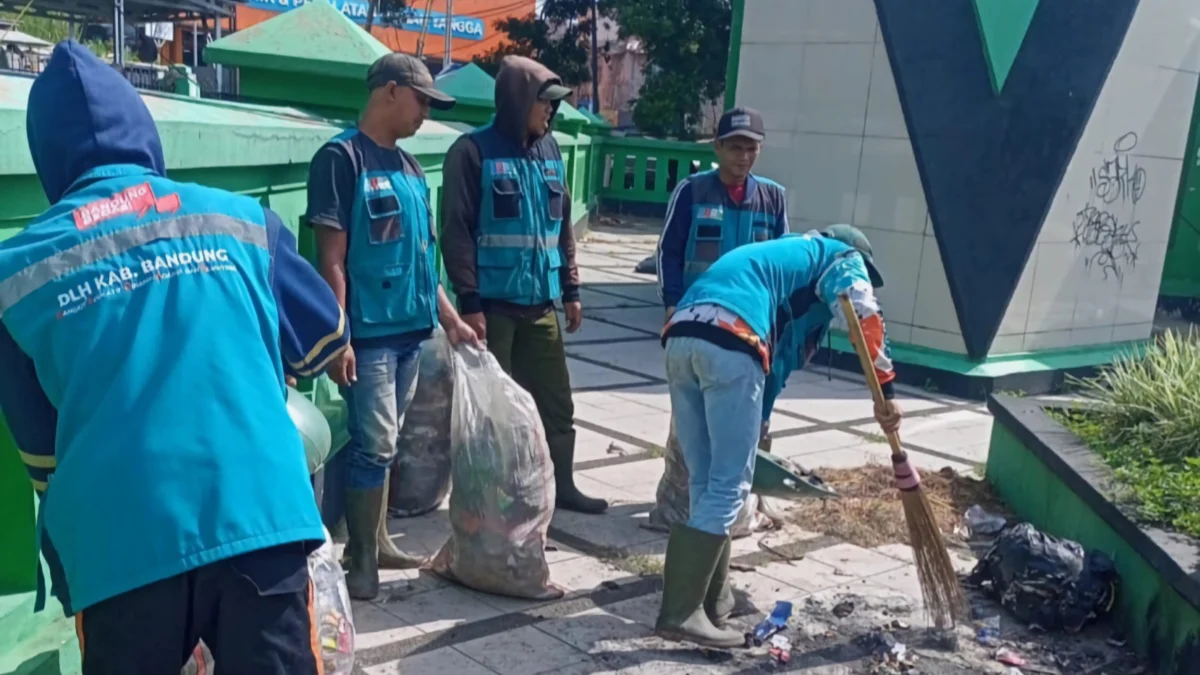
(1047, 581)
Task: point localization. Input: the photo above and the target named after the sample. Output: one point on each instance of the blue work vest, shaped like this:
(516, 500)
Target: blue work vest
(520, 219)
(391, 256)
(719, 226)
(146, 307)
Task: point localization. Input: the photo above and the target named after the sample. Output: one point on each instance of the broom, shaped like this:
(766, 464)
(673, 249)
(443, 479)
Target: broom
(939, 582)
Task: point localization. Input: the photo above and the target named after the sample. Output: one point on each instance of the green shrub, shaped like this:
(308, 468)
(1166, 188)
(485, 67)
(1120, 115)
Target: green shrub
(1146, 426)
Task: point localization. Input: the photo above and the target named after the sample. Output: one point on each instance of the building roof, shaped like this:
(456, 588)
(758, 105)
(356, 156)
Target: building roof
(470, 84)
(314, 39)
(136, 11)
(199, 133)
(11, 36)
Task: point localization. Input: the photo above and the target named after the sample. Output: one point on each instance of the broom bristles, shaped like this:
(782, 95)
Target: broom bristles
(943, 596)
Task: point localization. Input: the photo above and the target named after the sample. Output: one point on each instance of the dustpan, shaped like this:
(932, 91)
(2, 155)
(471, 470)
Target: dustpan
(777, 478)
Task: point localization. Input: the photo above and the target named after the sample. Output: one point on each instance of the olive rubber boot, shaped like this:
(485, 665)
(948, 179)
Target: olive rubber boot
(718, 602)
(692, 558)
(390, 557)
(562, 452)
(364, 510)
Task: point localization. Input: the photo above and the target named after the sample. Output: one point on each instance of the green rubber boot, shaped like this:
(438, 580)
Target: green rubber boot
(692, 558)
(364, 510)
(718, 602)
(390, 557)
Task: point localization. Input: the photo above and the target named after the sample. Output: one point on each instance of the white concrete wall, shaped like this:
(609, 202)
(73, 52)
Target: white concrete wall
(819, 73)
(1066, 296)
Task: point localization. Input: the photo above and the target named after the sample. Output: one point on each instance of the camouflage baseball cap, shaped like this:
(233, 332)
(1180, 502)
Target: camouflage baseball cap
(852, 236)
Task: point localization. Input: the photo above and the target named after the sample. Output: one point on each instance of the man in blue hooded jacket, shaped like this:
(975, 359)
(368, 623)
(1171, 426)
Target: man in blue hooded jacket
(720, 343)
(146, 327)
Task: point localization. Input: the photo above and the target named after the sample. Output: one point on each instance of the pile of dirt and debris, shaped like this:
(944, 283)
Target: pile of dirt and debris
(867, 635)
(869, 512)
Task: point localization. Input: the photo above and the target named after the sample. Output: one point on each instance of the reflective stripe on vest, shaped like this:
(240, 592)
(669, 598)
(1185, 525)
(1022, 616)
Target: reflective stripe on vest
(29, 280)
(520, 219)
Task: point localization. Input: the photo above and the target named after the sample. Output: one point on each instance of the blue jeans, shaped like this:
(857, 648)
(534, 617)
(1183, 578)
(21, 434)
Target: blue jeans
(717, 398)
(387, 381)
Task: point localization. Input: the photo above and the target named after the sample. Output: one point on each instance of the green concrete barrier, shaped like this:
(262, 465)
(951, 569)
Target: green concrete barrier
(1052, 480)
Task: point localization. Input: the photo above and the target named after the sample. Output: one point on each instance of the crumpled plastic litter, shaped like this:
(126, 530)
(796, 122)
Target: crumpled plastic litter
(979, 521)
(1046, 581)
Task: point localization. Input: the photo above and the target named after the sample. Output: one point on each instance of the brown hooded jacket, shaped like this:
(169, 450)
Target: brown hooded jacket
(517, 86)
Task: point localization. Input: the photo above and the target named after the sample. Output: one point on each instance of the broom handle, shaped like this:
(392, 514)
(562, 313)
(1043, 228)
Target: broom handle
(864, 358)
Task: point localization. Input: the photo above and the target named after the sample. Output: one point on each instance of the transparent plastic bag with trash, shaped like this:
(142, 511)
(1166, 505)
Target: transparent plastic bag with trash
(335, 622)
(672, 505)
(502, 494)
(420, 477)
(335, 619)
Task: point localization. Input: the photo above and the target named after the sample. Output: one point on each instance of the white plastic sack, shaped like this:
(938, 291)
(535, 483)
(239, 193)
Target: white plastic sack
(420, 477)
(672, 500)
(335, 623)
(502, 497)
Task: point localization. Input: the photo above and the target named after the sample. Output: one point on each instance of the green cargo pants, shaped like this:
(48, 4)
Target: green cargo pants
(532, 352)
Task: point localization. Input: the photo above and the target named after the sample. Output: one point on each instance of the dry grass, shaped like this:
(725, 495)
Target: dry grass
(870, 513)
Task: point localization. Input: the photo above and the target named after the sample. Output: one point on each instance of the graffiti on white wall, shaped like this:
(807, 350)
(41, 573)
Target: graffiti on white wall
(1106, 227)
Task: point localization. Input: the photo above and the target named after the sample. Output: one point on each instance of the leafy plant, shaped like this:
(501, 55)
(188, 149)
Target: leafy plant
(687, 47)
(1145, 424)
(1152, 399)
(559, 38)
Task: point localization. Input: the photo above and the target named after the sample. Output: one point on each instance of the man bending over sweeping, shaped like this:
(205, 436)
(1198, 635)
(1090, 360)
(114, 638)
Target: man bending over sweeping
(719, 346)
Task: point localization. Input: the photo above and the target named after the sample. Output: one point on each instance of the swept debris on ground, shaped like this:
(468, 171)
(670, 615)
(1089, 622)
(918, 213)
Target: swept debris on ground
(870, 514)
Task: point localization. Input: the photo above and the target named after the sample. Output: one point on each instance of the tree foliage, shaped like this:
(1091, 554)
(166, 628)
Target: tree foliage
(50, 30)
(559, 38)
(687, 47)
(686, 44)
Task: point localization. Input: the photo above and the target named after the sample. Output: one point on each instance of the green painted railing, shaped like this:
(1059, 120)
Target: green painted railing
(646, 170)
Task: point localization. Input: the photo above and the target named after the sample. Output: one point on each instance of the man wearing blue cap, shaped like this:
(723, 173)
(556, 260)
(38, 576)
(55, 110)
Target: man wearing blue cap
(721, 342)
(369, 205)
(146, 327)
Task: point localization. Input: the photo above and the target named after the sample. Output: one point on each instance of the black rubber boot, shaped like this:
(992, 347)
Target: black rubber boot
(718, 602)
(364, 509)
(692, 559)
(562, 452)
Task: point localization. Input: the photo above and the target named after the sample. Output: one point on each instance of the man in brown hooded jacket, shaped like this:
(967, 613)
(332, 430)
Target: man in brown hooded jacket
(509, 251)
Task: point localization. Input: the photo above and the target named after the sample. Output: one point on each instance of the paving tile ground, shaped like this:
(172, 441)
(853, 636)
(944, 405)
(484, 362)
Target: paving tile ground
(425, 626)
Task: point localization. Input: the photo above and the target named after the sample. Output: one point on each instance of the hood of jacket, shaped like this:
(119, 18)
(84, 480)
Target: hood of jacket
(83, 114)
(517, 85)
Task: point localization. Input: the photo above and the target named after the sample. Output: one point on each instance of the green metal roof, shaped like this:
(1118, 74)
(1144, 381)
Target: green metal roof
(199, 133)
(594, 119)
(314, 38)
(471, 85)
